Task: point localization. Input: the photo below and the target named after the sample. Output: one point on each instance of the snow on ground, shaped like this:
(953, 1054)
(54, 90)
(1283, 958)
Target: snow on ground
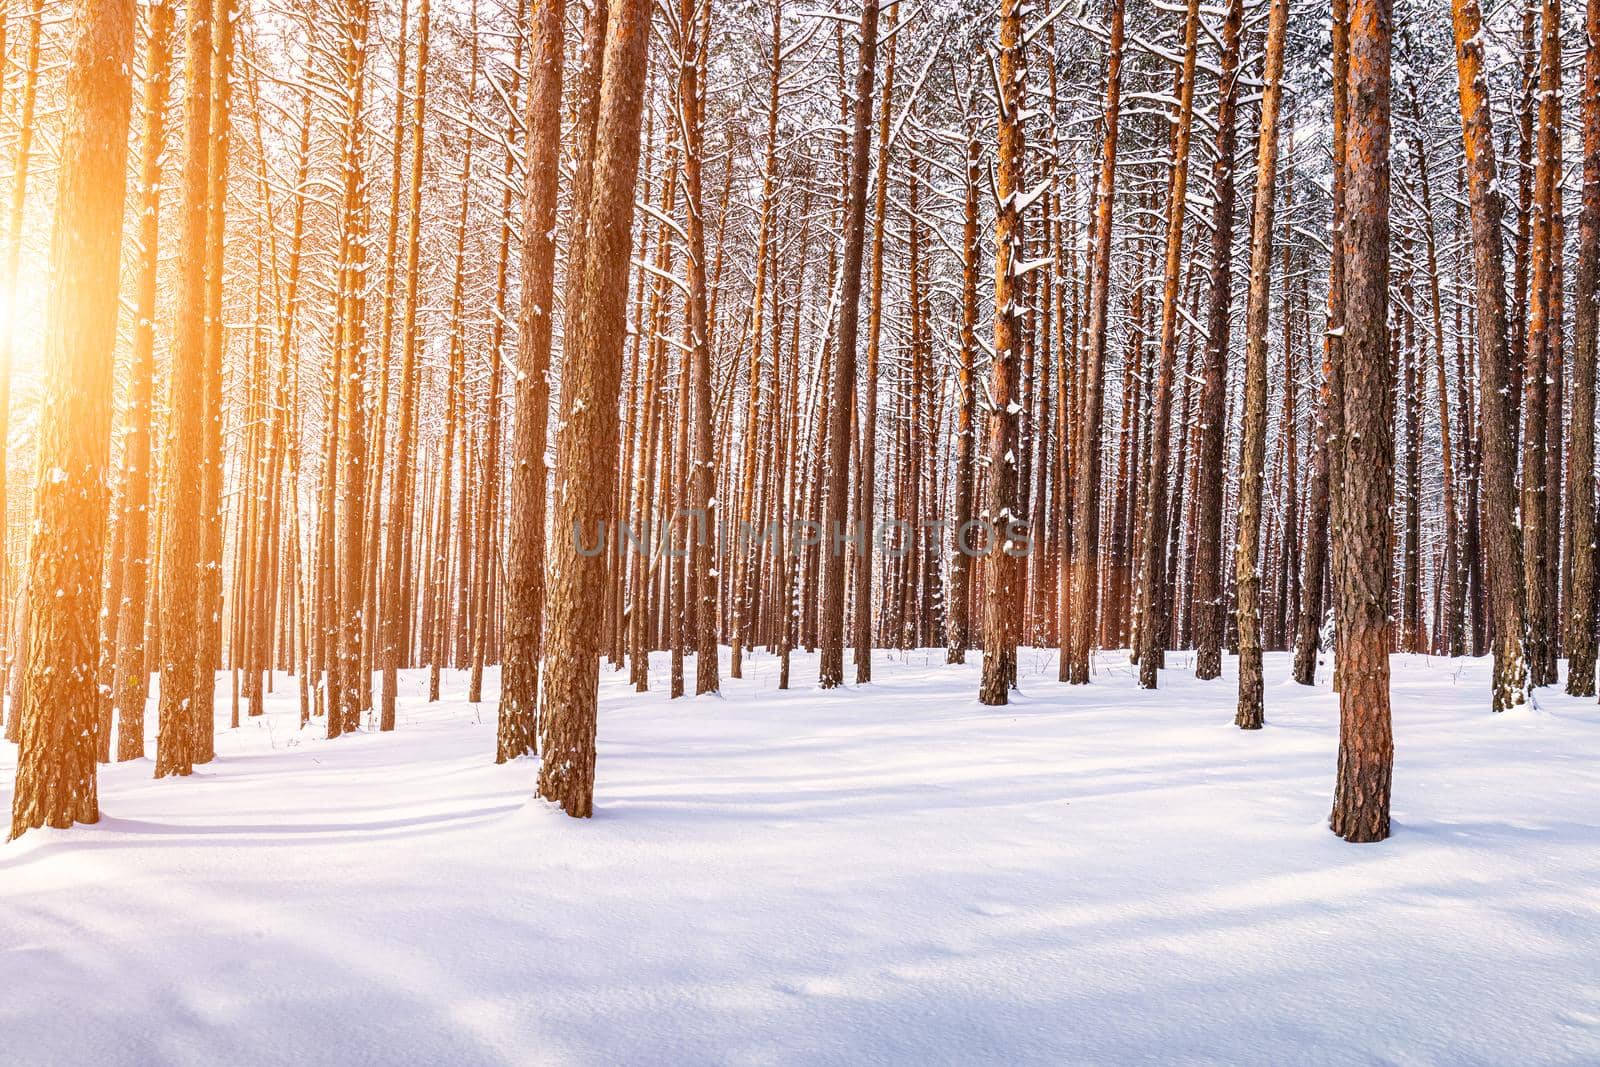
(885, 874)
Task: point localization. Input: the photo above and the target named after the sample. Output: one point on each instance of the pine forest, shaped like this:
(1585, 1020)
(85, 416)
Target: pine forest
(965, 494)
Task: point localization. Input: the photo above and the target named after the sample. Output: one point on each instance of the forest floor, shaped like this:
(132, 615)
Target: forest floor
(882, 874)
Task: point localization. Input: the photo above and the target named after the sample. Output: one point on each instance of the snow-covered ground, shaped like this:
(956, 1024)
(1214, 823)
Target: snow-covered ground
(886, 874)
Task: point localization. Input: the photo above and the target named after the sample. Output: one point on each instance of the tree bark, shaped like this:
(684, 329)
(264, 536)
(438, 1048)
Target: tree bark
(1503, 548)
(1321, 553)
(1580, 458)
(182, 482)
(1207, 571)
(836, 495)
(1152, 638)
(56, 773)
(586, 440)
(1001, 514)
(1247, 546)
(1085, 562)
(1366, 746)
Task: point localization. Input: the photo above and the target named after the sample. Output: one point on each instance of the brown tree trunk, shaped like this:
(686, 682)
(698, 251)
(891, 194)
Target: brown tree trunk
(182, 483)
(56, 783)
(961, 558)
(1247, 544)
(586, 440)
(866, 484)
(1538, 485)
(525, 550)
(1321, 553)
(1366, 746)
(131, 686)
(1001, 514)
(209, 586)
(395, 602)
(1498, 521)
(1207, 574)
(1152, 637)
(743, 580)
(1580, 457)
(836, 495)
(1085, 560)
(702, 479)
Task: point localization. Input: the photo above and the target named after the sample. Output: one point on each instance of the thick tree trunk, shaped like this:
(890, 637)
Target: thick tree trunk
(56, 783)
(1366, 746)
(586, 440)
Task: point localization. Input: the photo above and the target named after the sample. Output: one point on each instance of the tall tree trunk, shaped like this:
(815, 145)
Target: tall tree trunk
(961, 559)
(702, 479)
(1247, 544)
(56, 781)
(1152, 637)
(396, 603)
(1538, 484)
(131, 686)
(743, 580)
(209, 587)
(1085, 560)
(1321, 562)
(1002, 564)
(1366, 745)
(182, 484)
(344, 710)
(1207, 575)
(1580, 458)
(866, 484)
(836, 495)
(586, 440)
(1498, 520)
(528, 477)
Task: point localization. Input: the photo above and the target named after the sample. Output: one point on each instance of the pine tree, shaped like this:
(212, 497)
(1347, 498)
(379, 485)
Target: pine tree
(1580, 636)
(1085, 559)
(1501, 543)
(1247, 548)
(586, 441)
(1366, 745)
(1207, 570)
(182, 482)
(131, 686)
(836, 489)
(56, 778)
